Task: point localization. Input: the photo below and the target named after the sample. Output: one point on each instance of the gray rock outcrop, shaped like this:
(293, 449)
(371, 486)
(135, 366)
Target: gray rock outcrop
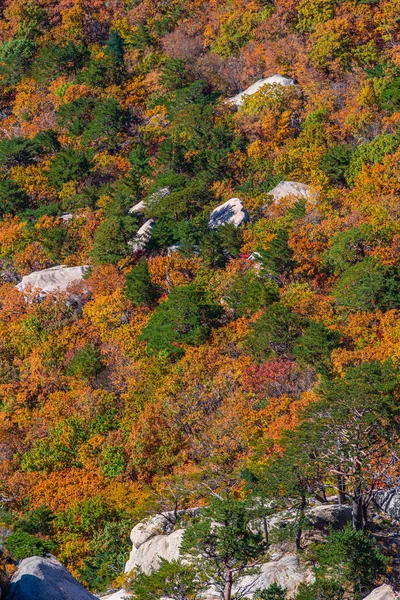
(39, 578)
(284, 570)
(55, 279)
(255, 87)
(231, 211)
(389, 502)
(384, 592)
(159, 537)
(329, 515)
(158, 195)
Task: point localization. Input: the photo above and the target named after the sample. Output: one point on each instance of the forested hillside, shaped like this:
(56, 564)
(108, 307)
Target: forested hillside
(198, 357)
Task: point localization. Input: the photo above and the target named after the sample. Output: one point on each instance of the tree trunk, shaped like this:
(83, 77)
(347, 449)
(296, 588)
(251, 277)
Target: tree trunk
(266, 532)
(341, 490)
(228, 584)
(358, 513)
(299, 529)
(365, 514)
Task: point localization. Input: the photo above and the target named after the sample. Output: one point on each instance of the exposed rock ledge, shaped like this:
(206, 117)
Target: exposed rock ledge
(161, 536)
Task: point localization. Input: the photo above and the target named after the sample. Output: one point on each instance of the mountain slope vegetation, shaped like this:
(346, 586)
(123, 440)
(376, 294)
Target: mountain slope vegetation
(212, 358)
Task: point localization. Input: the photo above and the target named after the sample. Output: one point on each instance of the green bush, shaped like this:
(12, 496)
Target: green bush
(21, 545)
(389, 99)
(272, 592)
(275, 333)
(371, 153)
(184, 318)
(38, 520)
(362, 286)
(247, 293)
(138, 287)
(171, 580)
(113, 461)
(86, 362)
(315, 346)
(349, 558)
(111, 240)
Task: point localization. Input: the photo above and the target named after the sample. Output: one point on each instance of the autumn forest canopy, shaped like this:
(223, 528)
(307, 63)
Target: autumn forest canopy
(259, 360)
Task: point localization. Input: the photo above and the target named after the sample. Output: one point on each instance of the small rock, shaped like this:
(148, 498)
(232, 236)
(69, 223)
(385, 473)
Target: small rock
(148, 555)
(66, 217)
(286, 572)
(158, 195)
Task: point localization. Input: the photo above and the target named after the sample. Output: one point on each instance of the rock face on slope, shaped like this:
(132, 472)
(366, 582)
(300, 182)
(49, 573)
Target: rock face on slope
(231, 211)
(158, 538)
(55, 279)
(142, 237)
(329, 515)
(389, 502)
(384, 592)
(155, 538)
(273, 80)
(284, 570)
(294, 189)
(45, 579)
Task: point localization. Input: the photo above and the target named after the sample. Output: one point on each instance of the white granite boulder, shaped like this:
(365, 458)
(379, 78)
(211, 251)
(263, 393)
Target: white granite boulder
(55, 279)
(66, 217)
(383, 592)
(156, 525)
(137, 208)
(142, 237)
(292, 189)
(231, 211)
(147, 556)
(45, 579)
(255, 87)
(155, 538)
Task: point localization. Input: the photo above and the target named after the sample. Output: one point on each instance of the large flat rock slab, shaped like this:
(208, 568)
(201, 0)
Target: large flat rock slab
(39, 578)
(255, 87)
(384, 592)
(55, 279)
